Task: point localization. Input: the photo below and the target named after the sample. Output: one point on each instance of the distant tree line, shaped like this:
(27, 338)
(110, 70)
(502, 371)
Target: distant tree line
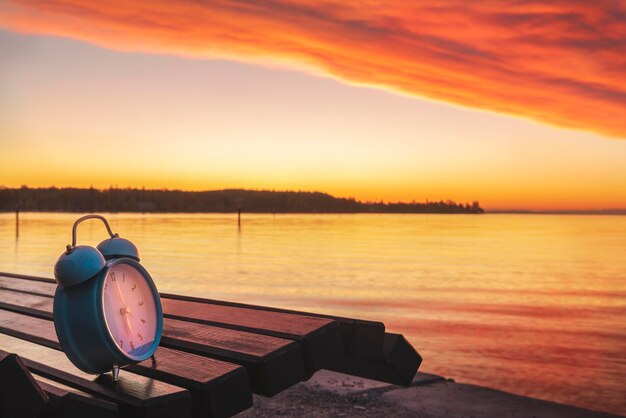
(54, 199)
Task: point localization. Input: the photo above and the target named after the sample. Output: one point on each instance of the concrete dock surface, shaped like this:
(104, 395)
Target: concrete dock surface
(330, 394)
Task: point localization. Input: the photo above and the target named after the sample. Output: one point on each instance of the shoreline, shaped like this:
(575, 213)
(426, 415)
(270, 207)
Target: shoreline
(253, 212)
(331, 394)
(609, 212)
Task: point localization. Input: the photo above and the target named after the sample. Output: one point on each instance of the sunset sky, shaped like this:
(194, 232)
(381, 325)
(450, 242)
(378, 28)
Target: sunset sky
(514, 104)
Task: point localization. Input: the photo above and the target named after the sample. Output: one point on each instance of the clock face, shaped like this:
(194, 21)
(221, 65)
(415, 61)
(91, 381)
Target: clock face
(129, 309)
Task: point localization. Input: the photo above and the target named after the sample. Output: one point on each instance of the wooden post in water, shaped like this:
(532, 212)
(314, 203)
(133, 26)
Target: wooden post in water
(239, 217)
(17, 220)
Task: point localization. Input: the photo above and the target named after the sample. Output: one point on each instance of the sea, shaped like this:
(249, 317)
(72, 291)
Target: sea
(526, 303)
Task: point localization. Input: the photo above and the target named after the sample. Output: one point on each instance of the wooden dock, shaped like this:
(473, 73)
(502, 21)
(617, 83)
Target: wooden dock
(213, 356)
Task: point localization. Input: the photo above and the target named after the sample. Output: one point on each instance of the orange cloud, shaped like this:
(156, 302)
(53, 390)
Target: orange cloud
(562, 63)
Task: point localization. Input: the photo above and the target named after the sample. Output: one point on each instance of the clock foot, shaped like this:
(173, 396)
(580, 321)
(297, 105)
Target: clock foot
(153, 357)
(115, 372)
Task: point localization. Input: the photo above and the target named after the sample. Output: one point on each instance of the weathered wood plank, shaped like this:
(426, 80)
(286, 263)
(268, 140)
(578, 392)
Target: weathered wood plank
(20, 395)
(136, 396)
(27, 303)
(28, 285)
(273, 364)
(402, 357)
(219, 389)
(36, 330)
(68, 402)
(319, 338)
(362, 339)
(27, 277)
(398, 366)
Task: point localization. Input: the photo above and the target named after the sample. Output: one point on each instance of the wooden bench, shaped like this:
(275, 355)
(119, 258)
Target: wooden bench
(213, 356)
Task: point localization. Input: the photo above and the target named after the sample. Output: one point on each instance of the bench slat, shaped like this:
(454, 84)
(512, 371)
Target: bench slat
(40, 306)
(398, 366)
(362, 339)
(20, 395)
(274, 364)
(136, 396)
(67, 402)
(28, 285)
(319, 338)
(219, 389)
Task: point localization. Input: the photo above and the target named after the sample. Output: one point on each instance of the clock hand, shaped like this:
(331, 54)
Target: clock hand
(124, 311)
(130, 328)
(119, 293)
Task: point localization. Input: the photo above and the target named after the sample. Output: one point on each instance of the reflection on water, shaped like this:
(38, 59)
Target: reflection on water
(531, 304)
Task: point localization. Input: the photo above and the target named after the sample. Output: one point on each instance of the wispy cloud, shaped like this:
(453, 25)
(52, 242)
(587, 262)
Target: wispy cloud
(560, 62)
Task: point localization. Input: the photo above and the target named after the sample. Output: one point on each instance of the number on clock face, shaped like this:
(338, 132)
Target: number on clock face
(129, 309)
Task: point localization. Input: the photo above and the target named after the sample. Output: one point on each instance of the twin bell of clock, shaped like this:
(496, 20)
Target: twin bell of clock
(107, 310)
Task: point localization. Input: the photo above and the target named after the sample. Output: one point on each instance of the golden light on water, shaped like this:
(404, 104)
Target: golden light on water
(495, 300)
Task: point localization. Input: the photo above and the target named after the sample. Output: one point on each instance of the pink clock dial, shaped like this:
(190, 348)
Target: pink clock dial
(129, 309)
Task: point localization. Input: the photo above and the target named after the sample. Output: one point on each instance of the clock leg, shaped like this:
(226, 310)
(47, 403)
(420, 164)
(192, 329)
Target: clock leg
(115, 372)
(153, 357)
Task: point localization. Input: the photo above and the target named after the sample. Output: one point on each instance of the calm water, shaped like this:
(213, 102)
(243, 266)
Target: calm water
(530, 304)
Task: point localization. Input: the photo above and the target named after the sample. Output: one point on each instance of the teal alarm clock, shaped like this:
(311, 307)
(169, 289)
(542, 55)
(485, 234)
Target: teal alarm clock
(107, 310)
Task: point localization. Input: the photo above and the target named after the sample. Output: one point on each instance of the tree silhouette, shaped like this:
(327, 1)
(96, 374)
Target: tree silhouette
(54, 199)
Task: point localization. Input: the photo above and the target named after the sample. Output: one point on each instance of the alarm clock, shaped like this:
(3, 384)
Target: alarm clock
(107, 310)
